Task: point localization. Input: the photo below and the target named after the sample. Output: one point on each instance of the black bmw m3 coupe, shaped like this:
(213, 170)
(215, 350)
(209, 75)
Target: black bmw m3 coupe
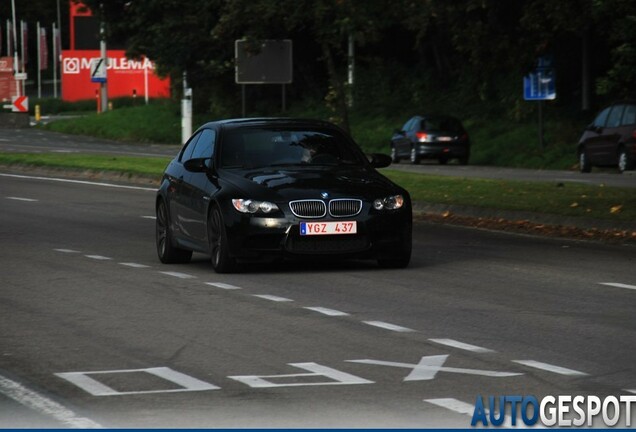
(270, 188)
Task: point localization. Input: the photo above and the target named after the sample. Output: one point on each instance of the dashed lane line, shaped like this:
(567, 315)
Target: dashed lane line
(70, 251)
(272, 298)
(178, 275)
(327, 311)
(44, 405)
(149, 217)
(21, 199)
(618, 285)
(389, 326)
(461, 345)
(133, 265)
(223, 285)
(550, 368)
(463, 408)
(98, 257)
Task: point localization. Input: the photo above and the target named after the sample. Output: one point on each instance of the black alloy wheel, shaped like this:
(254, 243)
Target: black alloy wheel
(217, 237)
(394, 154)
(415, 158)
(584, 161)
(168, 254)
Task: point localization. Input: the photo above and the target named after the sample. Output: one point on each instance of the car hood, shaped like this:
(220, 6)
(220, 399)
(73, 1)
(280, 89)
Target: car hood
(285, 184)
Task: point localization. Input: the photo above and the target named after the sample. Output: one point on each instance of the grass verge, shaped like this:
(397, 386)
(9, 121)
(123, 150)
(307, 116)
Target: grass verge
(564, 199)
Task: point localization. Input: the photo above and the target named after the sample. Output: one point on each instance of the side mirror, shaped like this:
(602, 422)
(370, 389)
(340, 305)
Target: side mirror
(379, 160)
(197, 164)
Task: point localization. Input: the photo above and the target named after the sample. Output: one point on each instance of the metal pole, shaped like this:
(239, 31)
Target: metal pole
(55, 59)
(243, 100)
(350, 69)
(284, 102)
(145, 82)
(103, 86)
(22, 42)
(39, 43)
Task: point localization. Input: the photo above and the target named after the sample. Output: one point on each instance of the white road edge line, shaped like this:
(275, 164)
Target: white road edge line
(223, 285)
(461, 345)
(21, 199)
(272, 298)
(134, 265)
(618, 285)
(66, 250)
(44, 405)
(389, 326)
(178, 275)
(327, 311)
(82, 182)
(98, 257)
(550, 368)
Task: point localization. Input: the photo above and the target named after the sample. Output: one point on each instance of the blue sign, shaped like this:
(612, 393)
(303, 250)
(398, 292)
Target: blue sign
(540, 85)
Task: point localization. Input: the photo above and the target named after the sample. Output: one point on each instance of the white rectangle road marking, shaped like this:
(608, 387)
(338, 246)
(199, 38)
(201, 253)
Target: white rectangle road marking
(44, 405)
(66, 250)
(273, 298)
(388, 326)
(461, 345)
(98, 257)
(22, 199)
(178, 275)
(618, 285)
(327, 311)
(134, 265)
(223, 285)
(550, 368)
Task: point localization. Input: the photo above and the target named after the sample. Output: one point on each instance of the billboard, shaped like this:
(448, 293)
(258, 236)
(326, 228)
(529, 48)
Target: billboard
(8, 86)
(125, 76)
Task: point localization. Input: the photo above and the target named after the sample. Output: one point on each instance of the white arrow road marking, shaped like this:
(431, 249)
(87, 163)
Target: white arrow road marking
(429, 366)
(550, 368)
(44, 405)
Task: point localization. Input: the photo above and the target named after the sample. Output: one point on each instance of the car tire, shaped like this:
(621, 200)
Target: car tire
(584, 161)
(403, 257)
(624, 162)
(443, 161)
(394, 155)
(167, 252)
(219, 248)
(415, 158)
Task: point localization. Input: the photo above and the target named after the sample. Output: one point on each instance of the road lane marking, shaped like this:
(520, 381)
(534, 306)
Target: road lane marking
(96, 388)
(223, 285)
(98, 257)
(389, 326)
(631, 391)
(66, 250)
(272, 298)
(21, 199)
(461, 345)
(178, 275)
(550, 368)
(618, 285)
(463, 408)
(335, 377)
(327, 311)
(149, 217)
(82, 182)
(134, 265)
(44, 405)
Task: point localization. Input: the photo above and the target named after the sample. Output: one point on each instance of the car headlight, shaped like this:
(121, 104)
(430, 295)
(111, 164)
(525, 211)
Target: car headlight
(253, 206)
(389, 203)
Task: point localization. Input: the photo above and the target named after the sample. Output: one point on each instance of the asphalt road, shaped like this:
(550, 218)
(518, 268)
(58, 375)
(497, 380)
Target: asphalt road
(36, 140)
(94, 331)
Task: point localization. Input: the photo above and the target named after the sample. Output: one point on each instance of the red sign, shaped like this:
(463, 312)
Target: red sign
(20, 104)
(8, 86)
(125, 77)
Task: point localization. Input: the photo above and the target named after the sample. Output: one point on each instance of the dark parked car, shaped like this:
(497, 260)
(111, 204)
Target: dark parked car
(251, 189)
(611, 139)
(431, 137)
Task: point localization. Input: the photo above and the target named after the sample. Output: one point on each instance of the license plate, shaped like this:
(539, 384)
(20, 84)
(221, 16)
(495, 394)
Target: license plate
(444, 138)
(328, 228)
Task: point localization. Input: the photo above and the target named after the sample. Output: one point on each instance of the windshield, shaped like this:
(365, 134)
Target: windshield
(261, 147)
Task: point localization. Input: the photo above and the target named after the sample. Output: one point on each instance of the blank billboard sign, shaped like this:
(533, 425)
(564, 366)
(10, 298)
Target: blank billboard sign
(263, 62)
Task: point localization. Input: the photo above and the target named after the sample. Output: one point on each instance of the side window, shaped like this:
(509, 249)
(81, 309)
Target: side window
(416, 123)
(629, 117)
(205, 144)
(407, 125)
(188, 148)
(600, 119)
(614, 118)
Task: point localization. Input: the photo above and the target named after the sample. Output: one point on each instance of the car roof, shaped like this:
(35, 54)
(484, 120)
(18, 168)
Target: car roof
(268, 121)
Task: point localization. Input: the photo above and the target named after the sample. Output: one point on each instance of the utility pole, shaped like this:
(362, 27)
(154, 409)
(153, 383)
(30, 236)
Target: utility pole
(15, 46)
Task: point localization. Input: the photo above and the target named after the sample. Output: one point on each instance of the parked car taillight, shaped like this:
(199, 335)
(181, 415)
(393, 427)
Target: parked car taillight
(421, 136)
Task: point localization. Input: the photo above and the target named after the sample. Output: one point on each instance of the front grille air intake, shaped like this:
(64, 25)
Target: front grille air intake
(345, 207)
(308, 208)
